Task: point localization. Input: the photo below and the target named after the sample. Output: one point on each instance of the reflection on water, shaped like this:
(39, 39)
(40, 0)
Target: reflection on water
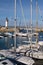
(8, 42)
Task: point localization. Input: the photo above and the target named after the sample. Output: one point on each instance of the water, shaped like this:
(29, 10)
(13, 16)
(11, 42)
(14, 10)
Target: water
(8, 42)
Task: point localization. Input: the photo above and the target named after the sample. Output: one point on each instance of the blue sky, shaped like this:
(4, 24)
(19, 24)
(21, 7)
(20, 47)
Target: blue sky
(7, 10)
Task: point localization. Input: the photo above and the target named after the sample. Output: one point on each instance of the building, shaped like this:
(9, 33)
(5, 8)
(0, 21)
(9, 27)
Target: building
(6, 23)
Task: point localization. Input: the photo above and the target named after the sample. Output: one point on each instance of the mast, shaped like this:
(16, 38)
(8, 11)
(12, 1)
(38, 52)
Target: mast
(37, 14)
(37, 22)
(31, 24)
(15, 29)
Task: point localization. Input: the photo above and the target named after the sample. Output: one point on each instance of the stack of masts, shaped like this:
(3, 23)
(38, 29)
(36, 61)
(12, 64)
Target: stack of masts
(31, 26)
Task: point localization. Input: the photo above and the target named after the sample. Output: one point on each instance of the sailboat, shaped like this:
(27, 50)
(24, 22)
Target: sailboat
(36, 51)
(33, 53)
(19, 58)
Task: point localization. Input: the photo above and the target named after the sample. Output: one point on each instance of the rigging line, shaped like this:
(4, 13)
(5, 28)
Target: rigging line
(40, 11)
(37, 9)
(23, 14)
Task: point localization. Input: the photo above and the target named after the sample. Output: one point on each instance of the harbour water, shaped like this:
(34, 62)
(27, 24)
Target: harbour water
(8, 42)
